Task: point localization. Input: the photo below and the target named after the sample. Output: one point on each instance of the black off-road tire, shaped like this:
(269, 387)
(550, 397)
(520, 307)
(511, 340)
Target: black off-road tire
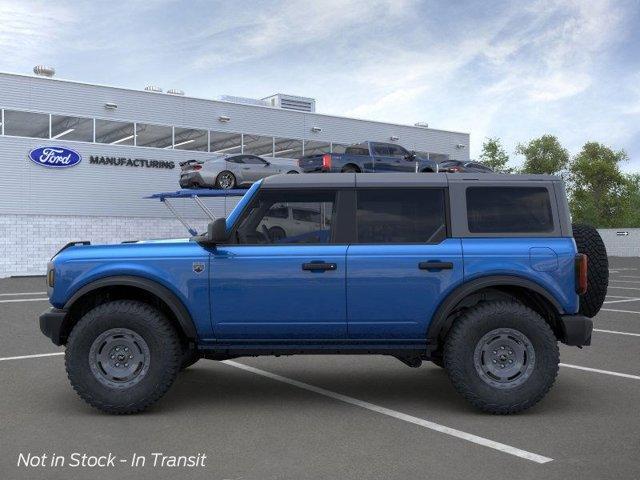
(589, 242)
(350, 169)
(164, 352)
(468, 333)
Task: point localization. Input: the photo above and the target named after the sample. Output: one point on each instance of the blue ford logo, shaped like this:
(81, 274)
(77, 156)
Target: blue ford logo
(55, 157)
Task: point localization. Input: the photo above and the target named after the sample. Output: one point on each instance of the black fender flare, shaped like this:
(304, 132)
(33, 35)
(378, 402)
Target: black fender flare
(440, 319)
(163, 293)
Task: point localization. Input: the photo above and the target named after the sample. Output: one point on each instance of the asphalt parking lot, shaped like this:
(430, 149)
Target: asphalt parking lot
(329, 417)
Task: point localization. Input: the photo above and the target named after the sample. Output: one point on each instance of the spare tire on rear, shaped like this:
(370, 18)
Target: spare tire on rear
(589, 242)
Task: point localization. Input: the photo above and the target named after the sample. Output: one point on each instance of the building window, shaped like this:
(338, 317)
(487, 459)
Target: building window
(287, 148)
(26, 124)
(157, 136)
(72, 128)
(312, 147)
(224, 142)
(114, 133)
(190, 139)
(258, 145)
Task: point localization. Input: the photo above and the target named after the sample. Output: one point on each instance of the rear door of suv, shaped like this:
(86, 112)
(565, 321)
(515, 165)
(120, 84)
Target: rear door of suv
(402, 262)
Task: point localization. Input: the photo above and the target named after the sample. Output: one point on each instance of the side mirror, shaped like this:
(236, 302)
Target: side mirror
(267, 164)
(217, 231)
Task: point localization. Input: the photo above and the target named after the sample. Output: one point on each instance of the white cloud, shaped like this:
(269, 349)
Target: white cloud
(30, 27)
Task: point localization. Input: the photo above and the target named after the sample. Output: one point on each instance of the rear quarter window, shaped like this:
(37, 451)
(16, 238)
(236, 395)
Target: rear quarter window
(509, 210)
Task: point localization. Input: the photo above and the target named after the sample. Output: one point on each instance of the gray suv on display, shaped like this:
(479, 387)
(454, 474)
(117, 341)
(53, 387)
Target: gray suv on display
(231, 171)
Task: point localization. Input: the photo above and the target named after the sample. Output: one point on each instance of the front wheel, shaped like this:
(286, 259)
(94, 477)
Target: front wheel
(225, 180)
(501, 356)
(122, 356)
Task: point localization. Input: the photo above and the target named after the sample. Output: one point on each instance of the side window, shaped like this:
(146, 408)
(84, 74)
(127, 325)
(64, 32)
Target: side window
(238, 159)
(401, 216)
(509, 210)
(381, 150)
(397, 151)
(251, 160)
(267, 221)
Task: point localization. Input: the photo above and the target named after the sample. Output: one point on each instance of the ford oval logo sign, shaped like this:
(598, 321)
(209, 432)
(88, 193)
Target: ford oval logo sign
(55, 157)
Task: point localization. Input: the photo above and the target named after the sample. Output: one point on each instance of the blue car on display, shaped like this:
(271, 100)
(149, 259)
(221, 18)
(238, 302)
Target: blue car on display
(369, 157)
(481, 274)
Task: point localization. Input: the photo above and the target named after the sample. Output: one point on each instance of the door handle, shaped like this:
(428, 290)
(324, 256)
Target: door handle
(319, 266)
(435, 265)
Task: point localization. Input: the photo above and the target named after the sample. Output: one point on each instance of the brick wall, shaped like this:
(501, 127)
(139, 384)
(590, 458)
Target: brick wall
(27, 242)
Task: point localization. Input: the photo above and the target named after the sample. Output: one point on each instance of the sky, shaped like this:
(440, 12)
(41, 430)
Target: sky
(513, 70)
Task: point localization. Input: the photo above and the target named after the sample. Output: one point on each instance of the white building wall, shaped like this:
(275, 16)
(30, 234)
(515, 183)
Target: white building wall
(620, 245)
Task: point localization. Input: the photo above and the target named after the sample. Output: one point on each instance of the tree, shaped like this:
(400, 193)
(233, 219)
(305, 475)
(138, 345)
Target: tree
(544, 155)
(632, 216)
(494, 156)
(600, 191)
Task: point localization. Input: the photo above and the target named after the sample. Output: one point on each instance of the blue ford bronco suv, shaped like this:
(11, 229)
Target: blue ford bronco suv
(481, 274)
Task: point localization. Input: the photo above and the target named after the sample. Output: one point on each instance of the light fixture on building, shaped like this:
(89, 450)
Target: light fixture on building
(123, 139)
(62, 134)
(44, 71)
(110, 105)
(422, 124)
(181, 143)
(460, 145)
(223, 118)
(394, 138)
(153, 88)
(316, 129)
(175, 91)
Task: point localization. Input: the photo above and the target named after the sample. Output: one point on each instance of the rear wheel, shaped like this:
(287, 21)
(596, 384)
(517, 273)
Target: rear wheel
(225, 180)
(350, 169)
(277, 233)
(122, 356)
(502, 357)
(589, 242)
(293, 172)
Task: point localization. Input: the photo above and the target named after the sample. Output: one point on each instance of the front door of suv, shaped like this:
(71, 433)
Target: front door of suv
(402, 264)
(282, 279)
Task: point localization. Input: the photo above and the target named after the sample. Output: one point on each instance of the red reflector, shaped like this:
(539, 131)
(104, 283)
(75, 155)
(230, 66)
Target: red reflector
(326, 162)
(582, 262)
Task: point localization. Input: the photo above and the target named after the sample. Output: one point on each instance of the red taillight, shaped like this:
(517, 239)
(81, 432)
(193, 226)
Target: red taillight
(581, 273)
(326, 161)
(197, 167)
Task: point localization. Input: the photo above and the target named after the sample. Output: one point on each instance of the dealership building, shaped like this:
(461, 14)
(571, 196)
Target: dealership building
(128, 144)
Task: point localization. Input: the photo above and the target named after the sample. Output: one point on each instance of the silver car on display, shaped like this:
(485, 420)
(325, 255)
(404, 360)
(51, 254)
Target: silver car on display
(231, 171)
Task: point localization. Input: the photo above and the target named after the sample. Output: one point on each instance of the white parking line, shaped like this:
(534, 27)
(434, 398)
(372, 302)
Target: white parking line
(21, 293)
(616, 332)
(619, 311)
(16, 300)
(625, 300)
(627, 276)
(395, 414)
(597, 370)
(625, 281)
(39, 355)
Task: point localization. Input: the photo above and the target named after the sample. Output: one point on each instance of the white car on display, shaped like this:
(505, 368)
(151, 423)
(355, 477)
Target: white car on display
(232, 171)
